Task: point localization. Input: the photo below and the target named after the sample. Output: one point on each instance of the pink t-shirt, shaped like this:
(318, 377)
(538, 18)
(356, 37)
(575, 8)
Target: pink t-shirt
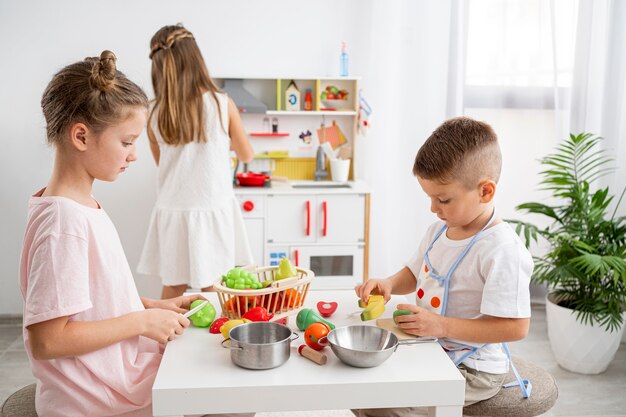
(73, 265)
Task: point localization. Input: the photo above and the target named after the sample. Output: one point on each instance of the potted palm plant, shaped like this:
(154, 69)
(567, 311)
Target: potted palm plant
(584, 265)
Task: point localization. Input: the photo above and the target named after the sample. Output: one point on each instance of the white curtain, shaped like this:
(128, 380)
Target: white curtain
(406, 86)
(598, 102)
(421, 71)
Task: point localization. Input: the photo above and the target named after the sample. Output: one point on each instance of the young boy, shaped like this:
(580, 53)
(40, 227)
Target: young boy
(471, 272)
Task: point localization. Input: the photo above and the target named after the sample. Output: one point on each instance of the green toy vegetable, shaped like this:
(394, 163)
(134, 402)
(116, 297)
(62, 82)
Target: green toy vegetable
(400, 313)
(307, 316)
(205, 316)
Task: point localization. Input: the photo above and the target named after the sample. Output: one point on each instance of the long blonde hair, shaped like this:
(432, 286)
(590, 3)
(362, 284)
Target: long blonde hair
(180, 78)
(93, 92)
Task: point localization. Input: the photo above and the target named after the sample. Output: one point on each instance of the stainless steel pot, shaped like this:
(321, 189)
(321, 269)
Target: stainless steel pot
(260, 345)
(367, 346)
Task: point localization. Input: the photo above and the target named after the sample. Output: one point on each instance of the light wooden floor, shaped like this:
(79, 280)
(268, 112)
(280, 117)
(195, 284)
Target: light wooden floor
(601, 395)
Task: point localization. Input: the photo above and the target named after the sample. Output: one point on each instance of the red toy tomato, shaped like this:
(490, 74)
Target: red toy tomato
(326, 308)
(217, 323)
(314, 333)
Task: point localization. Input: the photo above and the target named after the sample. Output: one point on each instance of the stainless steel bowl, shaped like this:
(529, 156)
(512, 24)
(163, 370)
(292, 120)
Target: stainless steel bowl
(260, 345)
(367, 346)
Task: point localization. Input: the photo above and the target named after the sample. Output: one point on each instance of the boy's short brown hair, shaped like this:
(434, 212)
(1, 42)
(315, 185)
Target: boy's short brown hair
(461, 149)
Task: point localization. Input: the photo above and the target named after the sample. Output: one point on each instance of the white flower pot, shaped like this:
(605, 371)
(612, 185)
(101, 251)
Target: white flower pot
(579, 347)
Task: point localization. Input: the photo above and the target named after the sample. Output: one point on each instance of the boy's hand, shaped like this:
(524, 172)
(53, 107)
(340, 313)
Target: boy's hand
(179, 304)
(162, 325)
(374, 286)
(422, 322)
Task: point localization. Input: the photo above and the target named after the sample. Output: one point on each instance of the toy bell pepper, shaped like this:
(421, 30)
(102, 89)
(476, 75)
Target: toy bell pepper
(215, 327)
(204, 317)
(307, 316)
(326, 309)
(258, 314)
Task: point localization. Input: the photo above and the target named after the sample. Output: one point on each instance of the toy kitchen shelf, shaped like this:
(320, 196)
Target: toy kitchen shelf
(271, 91)
(335, 242)
(262, 98)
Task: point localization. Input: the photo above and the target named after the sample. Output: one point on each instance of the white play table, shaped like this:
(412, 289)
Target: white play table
(197, 375)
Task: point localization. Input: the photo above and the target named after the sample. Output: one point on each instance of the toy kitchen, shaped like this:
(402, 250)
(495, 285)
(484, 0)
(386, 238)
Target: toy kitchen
(300, 197)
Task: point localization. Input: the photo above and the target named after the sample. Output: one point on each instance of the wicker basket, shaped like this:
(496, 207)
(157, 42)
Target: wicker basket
(281, 298)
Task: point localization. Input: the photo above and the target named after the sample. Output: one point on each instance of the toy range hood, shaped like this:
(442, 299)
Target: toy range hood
(245, 102)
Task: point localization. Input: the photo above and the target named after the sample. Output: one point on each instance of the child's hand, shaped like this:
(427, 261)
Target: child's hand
(162, 325)
(179, 304)
(422, 322)
(374, 286)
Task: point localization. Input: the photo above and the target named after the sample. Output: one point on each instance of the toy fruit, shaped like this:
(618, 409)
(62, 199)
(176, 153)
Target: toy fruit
(205, 316)
(371, 299)
(230, 324)
(292, 297)
(326, 308)
(242, 303)
(272, 302)
(314, 333)
(239, 279)
(217, 323)
(285, 269)
(258, 314)
(375, 307)
(307, 316)
(400, 313)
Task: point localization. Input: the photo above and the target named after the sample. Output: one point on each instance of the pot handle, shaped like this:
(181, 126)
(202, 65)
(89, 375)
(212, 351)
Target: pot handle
(323, 341)
(294, 333)
(230, 347)
(416, 340)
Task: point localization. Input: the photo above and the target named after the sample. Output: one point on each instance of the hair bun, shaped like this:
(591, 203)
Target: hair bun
(103, 71)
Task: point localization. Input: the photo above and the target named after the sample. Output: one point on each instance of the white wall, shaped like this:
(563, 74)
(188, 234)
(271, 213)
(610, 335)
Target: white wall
(403, 78)
(37, 38)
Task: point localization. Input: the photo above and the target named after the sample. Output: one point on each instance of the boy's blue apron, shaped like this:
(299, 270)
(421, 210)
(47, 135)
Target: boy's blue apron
(437, 291)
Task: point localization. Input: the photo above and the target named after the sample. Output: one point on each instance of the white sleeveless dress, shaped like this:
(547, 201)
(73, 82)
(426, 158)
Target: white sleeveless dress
(196, 230)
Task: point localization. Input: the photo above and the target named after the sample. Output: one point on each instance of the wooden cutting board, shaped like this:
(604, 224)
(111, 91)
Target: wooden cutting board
(388, 324)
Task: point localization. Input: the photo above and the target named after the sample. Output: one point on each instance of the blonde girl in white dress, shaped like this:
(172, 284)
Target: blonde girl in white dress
(196, 230)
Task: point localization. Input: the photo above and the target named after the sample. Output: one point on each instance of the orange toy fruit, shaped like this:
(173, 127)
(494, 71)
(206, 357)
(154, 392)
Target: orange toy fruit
(314, 333)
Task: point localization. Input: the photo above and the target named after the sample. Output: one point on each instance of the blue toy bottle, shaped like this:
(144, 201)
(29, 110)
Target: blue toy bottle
(343, 60)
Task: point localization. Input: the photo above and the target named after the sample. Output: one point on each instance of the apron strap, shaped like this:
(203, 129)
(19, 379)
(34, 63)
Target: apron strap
(448, 276)
(524, 384)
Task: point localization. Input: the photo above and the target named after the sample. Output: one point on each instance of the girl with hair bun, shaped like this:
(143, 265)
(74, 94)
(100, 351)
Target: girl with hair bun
(94, 344)
(196, 231)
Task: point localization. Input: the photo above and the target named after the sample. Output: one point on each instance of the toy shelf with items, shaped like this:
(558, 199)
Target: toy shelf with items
(297, 114)
(280, 297)
(336, 95)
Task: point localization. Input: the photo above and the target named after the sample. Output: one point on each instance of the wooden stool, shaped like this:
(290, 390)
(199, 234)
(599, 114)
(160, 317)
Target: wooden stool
(509, 401)
(20, 404)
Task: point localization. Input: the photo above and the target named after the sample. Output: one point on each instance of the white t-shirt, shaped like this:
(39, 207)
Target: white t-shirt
(492, 280)
(73, 265)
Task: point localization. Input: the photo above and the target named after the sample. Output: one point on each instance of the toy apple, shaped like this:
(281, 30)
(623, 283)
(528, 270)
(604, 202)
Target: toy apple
(327, 308)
